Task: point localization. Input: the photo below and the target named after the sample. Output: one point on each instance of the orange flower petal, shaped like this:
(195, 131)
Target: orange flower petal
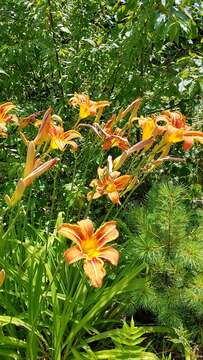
(73, 145)
(110, 254)
(174, 135)
(95, 271)
(106, 233)
(114, 197)
(115, 141)
(188, 142)
(71, 134)
(86, 227)
(73, 254)
(122, 182)
(57, 143)
(72, 232)
(193, 133)
(149, 127)
(115, 174)
(91, 195)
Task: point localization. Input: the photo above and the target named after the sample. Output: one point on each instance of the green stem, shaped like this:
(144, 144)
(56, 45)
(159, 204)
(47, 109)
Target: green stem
(88, 208)
(104, 299)
(11, 223)
(54, 192)
(108, 213)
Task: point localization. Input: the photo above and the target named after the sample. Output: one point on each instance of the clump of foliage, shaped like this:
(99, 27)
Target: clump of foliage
(167, 236)
(50, 301)
(126, 342)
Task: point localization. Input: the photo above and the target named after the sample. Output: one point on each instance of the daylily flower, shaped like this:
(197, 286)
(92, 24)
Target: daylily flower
(156, 125)
(61, 138)
(149, 128)
(114, 138)
(33, 169)
(5, 118)
(23, 122)
(87, 107)
(177, 130)
(2, 277)
(90, 246)
(109, 184)
(110, 137)
(174, 135)
(174, 118)
(54, 134)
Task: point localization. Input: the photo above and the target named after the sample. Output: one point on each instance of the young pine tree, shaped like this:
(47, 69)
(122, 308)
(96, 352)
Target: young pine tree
(168, 237)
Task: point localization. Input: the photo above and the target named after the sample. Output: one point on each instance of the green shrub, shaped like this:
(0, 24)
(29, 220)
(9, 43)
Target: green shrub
(168, 237)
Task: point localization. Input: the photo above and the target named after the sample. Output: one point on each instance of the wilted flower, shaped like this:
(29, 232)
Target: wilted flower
(109, 136)
(132, 108)
(24, 121)
(90, 246)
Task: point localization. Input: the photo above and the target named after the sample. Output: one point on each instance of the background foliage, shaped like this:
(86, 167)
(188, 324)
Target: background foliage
(112, 49)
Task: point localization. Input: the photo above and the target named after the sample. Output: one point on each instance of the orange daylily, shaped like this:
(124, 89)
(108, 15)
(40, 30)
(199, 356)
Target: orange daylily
(4, 117)
(110, 137)
(90, 246)
(178, 130)
(2, 277)
(116, 141)
(175, 118)
(108, 184)
(55, 134)
(33, 169)
(87, 107)
(61, 138)
(148, 126)
(174, 135)
(113, 138)
(171, 124)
